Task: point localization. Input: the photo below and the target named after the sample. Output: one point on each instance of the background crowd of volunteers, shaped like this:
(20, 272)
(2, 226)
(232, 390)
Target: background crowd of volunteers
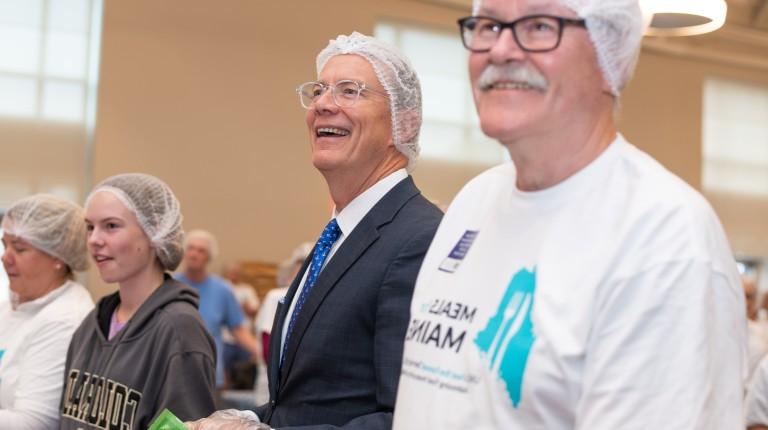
(580, 286)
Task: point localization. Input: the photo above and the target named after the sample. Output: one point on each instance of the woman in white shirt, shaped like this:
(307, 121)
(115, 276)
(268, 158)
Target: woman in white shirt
(44, 244)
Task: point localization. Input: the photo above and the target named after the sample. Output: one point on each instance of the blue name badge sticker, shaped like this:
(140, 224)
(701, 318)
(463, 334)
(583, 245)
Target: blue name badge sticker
(2, 351)
(459, 251)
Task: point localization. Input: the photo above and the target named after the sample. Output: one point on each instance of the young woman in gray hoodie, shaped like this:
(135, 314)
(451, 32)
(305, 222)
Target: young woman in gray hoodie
(144, 348)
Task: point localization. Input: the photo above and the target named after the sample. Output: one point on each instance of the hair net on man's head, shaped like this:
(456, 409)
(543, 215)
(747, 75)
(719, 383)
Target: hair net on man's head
(51, 224)
(212, 245)
(616, 30)
(156, 208)
(399, 79)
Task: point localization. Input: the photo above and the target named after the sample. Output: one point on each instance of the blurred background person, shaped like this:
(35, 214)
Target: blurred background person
(757, 397)
(144, 348)
(757, 333)
(218, 306)
(239, 368)
(244, 292)
(286, 271)
(749, 284)
(762, 308)
(44, 242)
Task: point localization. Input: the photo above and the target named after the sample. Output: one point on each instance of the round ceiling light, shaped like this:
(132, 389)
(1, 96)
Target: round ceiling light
(684, 17)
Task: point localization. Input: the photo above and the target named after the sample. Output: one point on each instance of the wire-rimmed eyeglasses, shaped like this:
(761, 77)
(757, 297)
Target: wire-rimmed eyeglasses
(533, 33)
(345, 93)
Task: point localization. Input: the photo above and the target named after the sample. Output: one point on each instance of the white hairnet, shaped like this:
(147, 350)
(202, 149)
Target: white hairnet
(616, 29)
(397, 76)
(51, 224)
(156, 208)
(211, 244)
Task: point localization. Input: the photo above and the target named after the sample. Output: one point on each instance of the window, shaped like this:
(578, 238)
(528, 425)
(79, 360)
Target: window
(46, 54)
(735, 137)
(48, 75)
(451, 129)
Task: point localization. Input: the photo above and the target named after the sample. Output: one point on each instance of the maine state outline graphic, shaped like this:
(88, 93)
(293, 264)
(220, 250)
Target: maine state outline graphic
(507, 338)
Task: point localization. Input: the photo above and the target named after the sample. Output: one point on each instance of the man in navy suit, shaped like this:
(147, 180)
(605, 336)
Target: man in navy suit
(337, 342)
(337, 339)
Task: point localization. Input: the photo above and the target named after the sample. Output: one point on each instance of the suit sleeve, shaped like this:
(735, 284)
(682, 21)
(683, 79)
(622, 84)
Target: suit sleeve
(392, 318)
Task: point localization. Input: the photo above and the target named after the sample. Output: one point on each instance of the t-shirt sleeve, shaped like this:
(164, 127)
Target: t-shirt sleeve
(233, 316)
(666, 350)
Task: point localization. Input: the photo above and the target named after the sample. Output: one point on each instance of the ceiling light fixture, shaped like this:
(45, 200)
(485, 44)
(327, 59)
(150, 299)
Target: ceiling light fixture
(684, 17)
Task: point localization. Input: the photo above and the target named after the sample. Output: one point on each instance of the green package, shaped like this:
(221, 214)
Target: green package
(167, 421)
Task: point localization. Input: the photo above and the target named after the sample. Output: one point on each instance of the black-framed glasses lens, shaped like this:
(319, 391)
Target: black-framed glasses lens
(534, 33)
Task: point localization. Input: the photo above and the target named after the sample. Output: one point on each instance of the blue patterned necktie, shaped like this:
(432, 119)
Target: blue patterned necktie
(330, 234)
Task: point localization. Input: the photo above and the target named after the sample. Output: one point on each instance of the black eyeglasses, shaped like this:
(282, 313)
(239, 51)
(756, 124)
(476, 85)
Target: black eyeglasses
(533, 33)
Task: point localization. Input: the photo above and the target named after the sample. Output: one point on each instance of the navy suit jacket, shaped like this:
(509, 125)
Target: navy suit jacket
(343, 360)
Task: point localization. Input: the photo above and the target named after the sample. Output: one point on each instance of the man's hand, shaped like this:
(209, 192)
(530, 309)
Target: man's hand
(229, 419)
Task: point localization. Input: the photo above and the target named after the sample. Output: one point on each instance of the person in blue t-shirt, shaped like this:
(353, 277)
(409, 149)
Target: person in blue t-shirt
(218, 306)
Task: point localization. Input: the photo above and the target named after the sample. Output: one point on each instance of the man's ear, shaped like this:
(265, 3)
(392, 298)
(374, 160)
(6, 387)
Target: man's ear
(409, 124)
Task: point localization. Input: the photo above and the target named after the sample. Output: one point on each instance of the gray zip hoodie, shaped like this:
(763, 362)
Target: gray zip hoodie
(162, 358)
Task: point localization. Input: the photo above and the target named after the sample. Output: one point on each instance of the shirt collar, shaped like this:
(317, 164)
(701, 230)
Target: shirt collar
(40, 302)
(354, 212)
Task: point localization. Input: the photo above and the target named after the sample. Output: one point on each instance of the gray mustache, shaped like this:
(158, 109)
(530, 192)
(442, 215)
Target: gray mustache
(512, 72)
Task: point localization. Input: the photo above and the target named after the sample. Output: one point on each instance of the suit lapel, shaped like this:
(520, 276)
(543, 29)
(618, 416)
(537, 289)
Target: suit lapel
(276, 336)
(354, 246)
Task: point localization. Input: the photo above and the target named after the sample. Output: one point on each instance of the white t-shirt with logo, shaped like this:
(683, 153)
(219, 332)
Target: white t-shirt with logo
(609, 301)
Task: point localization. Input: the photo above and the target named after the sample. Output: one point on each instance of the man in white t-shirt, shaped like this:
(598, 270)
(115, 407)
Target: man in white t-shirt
(582, 286)
(238, 363)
